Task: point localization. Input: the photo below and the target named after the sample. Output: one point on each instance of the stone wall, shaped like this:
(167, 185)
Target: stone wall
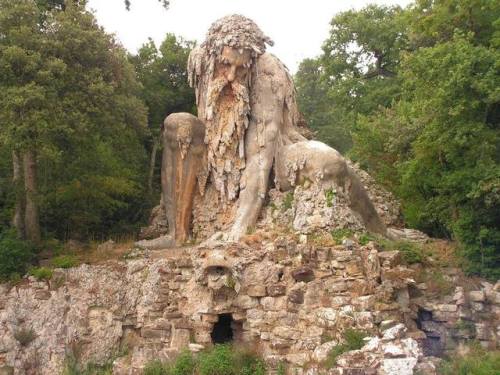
(291, 300)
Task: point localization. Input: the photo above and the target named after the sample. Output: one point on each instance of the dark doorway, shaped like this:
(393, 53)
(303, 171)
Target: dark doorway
(222, 331)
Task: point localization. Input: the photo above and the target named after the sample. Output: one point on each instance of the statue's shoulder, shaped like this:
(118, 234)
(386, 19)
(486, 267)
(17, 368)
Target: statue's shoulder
(272, 72)
(269, 64)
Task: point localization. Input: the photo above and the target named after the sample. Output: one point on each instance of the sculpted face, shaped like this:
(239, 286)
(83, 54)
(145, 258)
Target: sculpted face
(233, 64)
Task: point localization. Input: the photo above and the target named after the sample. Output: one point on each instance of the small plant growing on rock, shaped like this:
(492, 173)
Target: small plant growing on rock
(41, 273)
(287, 201)
(24, 336)
(156, 368)
(365, 238)
(281, 370)
(329, 196)
(64, 261)
(339, 234)
(353, 340)
(410, 252)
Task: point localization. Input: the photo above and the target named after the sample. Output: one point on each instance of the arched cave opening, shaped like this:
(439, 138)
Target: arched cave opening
(222, 331)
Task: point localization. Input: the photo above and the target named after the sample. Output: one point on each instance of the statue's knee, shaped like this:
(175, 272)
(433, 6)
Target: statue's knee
(183, 128)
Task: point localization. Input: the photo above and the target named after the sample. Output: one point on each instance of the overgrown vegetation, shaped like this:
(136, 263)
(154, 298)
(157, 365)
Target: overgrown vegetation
(412, 94)
(219, 360)
(411, 252)
(476, 362)
(338, 235)
(64, 261)
(353, 340)
(329, 197)
(41, 273)
(15, 256)
(287, 201)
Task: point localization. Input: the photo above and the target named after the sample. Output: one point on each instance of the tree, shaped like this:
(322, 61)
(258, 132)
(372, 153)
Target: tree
(355, 75)
(165, 3)
(438, 145)
(71, 111)
(165, 89)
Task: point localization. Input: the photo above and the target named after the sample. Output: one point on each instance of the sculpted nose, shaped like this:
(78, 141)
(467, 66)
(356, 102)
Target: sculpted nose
(231, 74)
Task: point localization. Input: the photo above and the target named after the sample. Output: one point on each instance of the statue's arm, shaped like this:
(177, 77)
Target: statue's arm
(261, 143)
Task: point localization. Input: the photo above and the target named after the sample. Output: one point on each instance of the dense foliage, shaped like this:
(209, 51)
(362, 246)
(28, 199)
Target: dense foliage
(219, 360)
(15, 256)
(88, 113)
(417, 93)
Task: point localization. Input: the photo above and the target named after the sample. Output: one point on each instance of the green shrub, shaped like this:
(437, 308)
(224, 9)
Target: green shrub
(353, 340)
(25, 336)
(156, 368)
(281, 370)
(410, 252)
(218, 361)
(64, 261)
(365, 238)
(41, 273)
(477, 362)
(184, 364)
(15, 256)
(339, 234)
(248, 362)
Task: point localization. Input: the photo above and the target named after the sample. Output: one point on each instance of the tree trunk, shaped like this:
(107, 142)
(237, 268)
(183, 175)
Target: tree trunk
(31, 221)
(17, 176)
(152, 163)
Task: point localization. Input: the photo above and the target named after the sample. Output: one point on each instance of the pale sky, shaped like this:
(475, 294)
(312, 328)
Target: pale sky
(298, 27)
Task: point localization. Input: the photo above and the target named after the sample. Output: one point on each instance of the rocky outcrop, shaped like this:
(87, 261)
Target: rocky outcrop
(294, 300)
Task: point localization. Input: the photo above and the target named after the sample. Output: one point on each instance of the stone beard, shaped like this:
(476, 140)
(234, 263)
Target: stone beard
(227, 117)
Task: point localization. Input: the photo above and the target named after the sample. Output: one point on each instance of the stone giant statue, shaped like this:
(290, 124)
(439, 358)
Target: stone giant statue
(246, 132)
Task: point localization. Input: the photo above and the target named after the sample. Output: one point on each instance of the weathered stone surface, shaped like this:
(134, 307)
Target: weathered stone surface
(305, 274)
(276, 290)
(296, 296)
(390, 258)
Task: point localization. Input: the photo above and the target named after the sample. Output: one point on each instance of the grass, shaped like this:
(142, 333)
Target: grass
(72, 364)
(411, 252)
(64, 261)
(365, 238)
(41, 273)
(476, 362)
(218, 360)
(329, 196)
(287, 201)
(339, 234)
(281, 370)
(24, 336)
(353, 340)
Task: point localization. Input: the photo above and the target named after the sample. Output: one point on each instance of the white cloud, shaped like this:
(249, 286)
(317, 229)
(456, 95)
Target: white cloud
(298, 27)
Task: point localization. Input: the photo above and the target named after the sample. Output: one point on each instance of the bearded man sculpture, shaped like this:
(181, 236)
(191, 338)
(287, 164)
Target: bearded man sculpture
(246, 128)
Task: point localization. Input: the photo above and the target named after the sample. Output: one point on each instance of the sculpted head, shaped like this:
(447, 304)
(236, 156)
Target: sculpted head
(232, 45)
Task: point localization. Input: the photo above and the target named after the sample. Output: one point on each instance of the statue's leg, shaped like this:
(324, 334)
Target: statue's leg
(183, 160)
(318, 162)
